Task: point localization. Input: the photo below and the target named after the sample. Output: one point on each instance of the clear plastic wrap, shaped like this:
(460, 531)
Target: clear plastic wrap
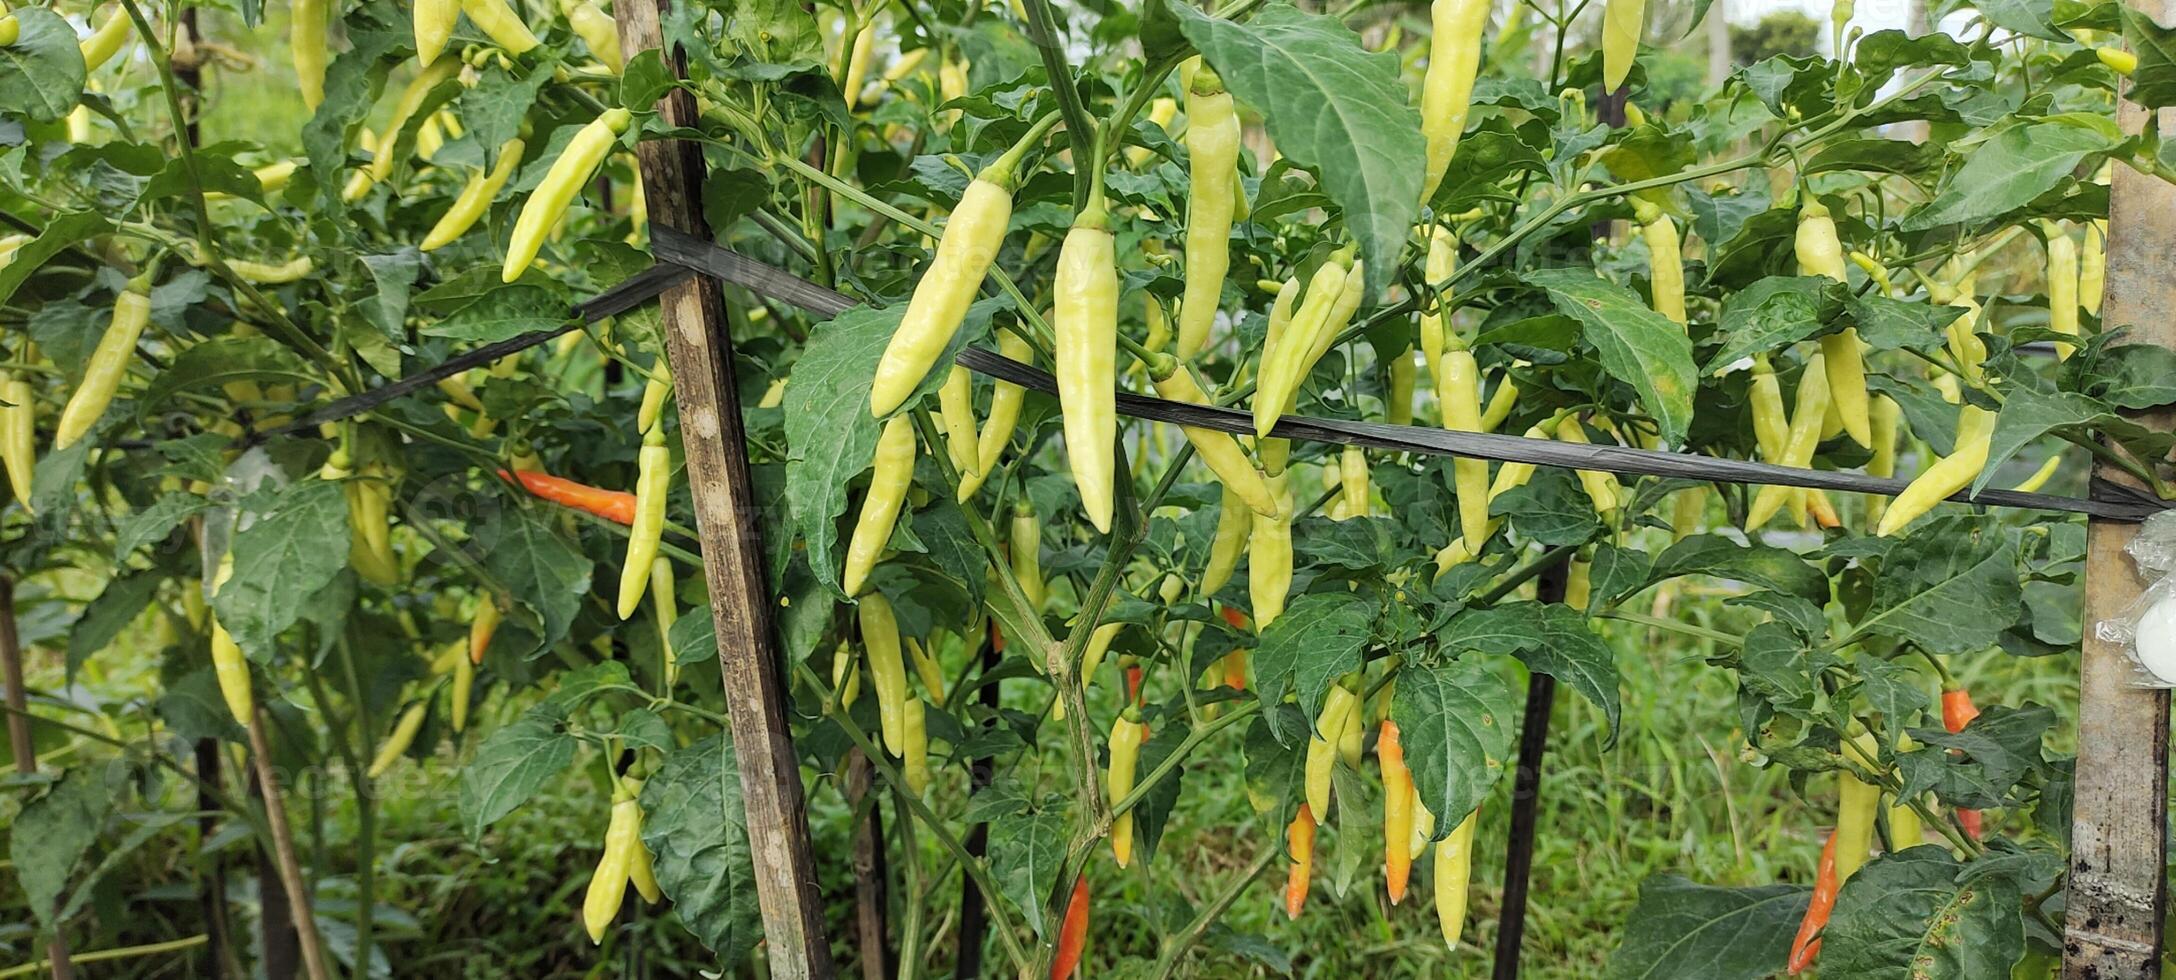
(2147, 626)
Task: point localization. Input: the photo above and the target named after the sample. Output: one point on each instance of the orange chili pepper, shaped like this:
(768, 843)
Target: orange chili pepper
(1825, 886)
(616, 506)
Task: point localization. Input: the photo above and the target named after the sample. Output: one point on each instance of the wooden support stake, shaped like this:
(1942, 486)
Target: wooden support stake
(728, 524)
(2118, 892)
(285, 856)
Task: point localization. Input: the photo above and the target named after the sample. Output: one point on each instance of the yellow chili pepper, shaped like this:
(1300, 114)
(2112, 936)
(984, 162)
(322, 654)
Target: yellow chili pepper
(2092, 269)
(1454, 59)
(475, 198)
(1126, 736)
(1085, 317)
(1820, 253)
(1398, 806)
(267, 274)
(654, 392)
(887, 669)
(956, 404)
(914, 757)
(1454, 870)
(541, 212)
(434, 21)
(108, 362)
(106, 41)
(2062, 287)
(1398, 394)
(1886, 417)
(1218, 450)
(1622, 21)
(1269, 557)
(608, 884)
(1459, 390)
(1234, 520)
(1601, 486)
(1025, 547)
(892, 473)
(1322, 747)
(1212, 147)
(653, 482)
(1161, 111)
(482, 628)
(665, 604)
(1441, 264)
(1665, 264)
(639, 871)
(1353, 483)
(229, 666)
(1804, 435)
(859, 53)
(404, 735)
(501, 23)
(1857, 805)
(1285, 360)
(2118, 60)
(1005, 399)
(1954, 472)
(18, 436)
(926, 667)
(599, 31)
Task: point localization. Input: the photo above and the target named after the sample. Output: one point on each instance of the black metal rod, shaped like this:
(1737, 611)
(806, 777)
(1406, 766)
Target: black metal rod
(1526, 798)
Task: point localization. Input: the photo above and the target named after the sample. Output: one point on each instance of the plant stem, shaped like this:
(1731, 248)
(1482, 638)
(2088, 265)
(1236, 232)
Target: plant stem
(103, 955)
(1176, 948)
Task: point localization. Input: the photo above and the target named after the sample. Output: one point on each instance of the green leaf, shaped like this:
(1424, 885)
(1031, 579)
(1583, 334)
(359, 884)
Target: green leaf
(154, 523)
(62, 233)
(541, 568)
(221, 360)
(1774, 313)
(1551, 638)
(1154, 810)
(1892, 324)
(511, 765)
(2006, 172)
(1720, 557)
(2134, 376)
(41, 74)
(352, 84)
(117, 605)
(291, 547)
(1977, 766)
(392, 274)
(1317, 640)
(2153, 83)
(2030, 17)
(1951, 589)
(51, 834)
(493, 110)
(1638, 346)
(502, 313)
(1906, 914)
(2028, 415)
(1684, 929)
(1024, 860)
(1454, 722)
(1551, 509)
(696, 827)
(1332, 107)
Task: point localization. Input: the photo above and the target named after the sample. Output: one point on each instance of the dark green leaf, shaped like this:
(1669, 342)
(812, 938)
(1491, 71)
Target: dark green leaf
(291, 544)
(1638, 346)
(1905, 914)
(41, 74)
(1454, 722)
(1317, 640)
(511, 765)
(696, 829)
(1684, 929)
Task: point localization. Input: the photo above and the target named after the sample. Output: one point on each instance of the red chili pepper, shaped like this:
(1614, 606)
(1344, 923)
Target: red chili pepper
(1825, 886)
(1133, 683)
(1957, 712)
(1073, 933)
(612, 505)
(1237, 619)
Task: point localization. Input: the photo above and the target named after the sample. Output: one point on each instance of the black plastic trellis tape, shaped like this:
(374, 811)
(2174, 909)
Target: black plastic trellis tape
(680, 255)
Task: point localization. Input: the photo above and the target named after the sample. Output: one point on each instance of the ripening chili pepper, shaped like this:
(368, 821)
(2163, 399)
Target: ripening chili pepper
(18, 437)
(1601, 486)
(1954, 472)
(1807, 944)
(1665, 264)
(1453, 874)
(2062, 287)
(1132, 667)
(914, 754)
(1234, 520)
(608, 884)
(1126, 736)
(501, 23)
(956, 408)
(1622, 21)
(1446, 91)
(1218, 450)
(107, 364)
(1397, 810)
(1025, 548)
(404, 735)
(542, 211)
(229, 666)
(887, 669)
(1212, 149)
(971, 239)
(106, 41)
(1005, 400)
(1802, 437)
(2092, 268)
(1322, 746)
(1821, 253)
(475, 198)
(617, 506)
(1235, 670)
(1072, 932)
(1957, 712)
(1269, 557)
(653, 483)
(892, 473)
(1300, 847)
(1084, 315)
(433, 21)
